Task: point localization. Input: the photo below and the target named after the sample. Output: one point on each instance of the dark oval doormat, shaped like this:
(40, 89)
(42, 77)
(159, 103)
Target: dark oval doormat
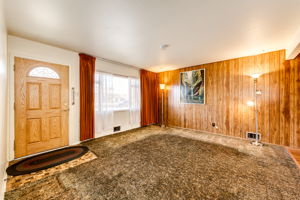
(46, 160)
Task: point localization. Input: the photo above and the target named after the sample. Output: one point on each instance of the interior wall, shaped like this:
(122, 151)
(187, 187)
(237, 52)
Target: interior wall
(34, 50)
(3, 100)
(228, 87)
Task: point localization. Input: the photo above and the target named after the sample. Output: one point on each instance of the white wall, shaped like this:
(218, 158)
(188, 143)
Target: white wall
(3, 101)
(294, 47)
(117, 69)
(34, 50)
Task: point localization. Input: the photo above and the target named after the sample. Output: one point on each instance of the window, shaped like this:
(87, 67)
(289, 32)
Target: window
(120, 93)
(43, 72)
(115, 92)
(97, 95)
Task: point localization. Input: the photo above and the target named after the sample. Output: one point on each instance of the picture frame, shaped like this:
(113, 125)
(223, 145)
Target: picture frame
(192, 87)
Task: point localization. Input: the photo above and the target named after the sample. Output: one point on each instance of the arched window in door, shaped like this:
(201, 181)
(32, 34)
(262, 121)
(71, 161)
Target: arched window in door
(43, 72)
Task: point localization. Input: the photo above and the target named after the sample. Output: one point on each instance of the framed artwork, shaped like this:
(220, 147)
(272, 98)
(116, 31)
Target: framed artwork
(192, 86)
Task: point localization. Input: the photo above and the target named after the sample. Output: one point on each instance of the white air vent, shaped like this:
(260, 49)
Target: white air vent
(117, 128)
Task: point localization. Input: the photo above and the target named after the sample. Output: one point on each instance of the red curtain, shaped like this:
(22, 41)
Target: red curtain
(149, 97)
(87, 76)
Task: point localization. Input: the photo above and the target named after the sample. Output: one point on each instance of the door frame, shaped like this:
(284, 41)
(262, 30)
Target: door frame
(11, 100)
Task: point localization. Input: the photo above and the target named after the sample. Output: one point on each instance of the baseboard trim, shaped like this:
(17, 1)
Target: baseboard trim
(229, 136)
(99, 135)
(288, 150)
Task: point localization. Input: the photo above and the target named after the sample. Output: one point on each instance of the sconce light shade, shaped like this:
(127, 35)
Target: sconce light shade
(255, 75)
(250, 103)
(162, 86)
(258, 92)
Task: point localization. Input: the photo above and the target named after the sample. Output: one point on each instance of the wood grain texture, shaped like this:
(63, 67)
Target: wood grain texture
(149, 97)
(229, 87)
(34, 100)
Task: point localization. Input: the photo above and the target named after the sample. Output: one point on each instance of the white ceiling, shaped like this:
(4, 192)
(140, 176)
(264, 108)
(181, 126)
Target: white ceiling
(132, 31)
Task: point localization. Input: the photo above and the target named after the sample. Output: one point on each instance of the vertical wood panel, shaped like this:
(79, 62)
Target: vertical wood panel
(297, 100)
(293, 138)
(236, 93)
(260, 85)
(265, 118)
(245, 97)
(229, 87)
(214, 104)
(220, 96)
(231, 98)
(226, 97)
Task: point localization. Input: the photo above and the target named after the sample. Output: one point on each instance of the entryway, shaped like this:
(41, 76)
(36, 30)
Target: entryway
(41, 106)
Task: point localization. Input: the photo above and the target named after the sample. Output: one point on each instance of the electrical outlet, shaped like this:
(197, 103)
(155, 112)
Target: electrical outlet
(252, 135)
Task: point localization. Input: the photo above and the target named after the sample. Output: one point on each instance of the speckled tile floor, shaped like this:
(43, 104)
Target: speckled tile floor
(154, 163)
(14, 182)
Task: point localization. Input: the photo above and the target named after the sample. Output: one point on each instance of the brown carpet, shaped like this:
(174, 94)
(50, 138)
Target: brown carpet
(152, 163)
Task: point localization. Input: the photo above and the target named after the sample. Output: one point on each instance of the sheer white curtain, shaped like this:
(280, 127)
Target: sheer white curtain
(134, 101)
(104, 107)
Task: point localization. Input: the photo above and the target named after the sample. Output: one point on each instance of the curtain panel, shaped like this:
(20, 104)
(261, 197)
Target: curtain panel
(87, 76)
(149, 97)
(134, 101)
(104, 108)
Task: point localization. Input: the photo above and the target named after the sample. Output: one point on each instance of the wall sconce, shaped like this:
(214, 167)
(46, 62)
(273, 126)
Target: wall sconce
(251, 103)
(258, 92)
(162, 87)
(255, 76)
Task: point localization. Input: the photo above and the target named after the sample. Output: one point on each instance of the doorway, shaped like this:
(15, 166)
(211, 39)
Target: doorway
(41, 106)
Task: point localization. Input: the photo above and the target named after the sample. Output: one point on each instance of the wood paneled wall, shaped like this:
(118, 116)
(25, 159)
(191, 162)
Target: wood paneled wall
(229, 87)
(149, 97)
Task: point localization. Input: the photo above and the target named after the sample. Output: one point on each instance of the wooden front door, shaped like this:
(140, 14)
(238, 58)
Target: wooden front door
(41, 106)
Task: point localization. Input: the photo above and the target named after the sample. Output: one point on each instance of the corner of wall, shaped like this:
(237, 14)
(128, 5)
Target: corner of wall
(3, 101)
(294, 47)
